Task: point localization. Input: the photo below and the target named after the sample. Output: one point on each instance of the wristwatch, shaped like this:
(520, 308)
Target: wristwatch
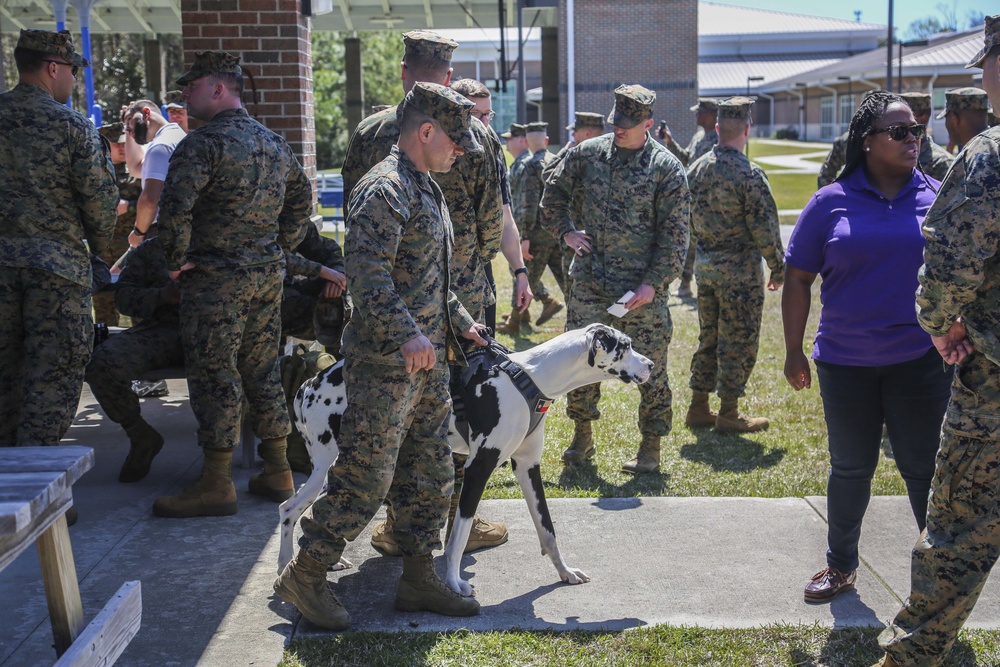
(523, 270)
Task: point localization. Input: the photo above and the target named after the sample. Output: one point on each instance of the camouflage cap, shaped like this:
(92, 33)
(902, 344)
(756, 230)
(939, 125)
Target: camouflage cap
(452, 111)
(113, 132)
(962, 99)
(633, 104)
(425, 43)
(706, 104)
(919, 103)
(515, 131)
(174, 99)
(736, 108)
(55, 43)
(207, 63)
(586, 119)
(538, 127)
(991, 37)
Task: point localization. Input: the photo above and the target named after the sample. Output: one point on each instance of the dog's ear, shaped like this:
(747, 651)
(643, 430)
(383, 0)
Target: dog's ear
(602, 337)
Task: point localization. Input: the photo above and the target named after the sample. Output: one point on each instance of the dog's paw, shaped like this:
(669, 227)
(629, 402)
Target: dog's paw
(342, 564)
(573, 576)
(462, 587)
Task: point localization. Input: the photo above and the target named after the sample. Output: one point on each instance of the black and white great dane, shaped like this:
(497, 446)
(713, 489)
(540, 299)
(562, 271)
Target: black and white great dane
(506, 398)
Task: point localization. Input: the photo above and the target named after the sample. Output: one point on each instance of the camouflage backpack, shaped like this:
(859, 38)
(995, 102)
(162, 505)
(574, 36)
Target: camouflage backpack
(297, 367)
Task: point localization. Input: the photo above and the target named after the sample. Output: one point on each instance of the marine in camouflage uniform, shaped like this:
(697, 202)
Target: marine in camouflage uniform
(305, 312)
(393, 437)
(734, 217)
(960, 279)
(934, 160)
(129, 189)
(234, 200)
(627, 211)
(966, 114)
(834, 162)
(49, 214)
(145, 293)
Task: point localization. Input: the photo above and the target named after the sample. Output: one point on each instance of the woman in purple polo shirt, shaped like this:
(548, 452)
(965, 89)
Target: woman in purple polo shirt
(874, 363)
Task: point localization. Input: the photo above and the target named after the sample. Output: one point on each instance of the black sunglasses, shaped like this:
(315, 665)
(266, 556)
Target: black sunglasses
(899, 132)
(75, 69)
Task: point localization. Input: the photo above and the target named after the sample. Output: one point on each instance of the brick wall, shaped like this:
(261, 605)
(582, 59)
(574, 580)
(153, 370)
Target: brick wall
(272, 37)
(650, 42)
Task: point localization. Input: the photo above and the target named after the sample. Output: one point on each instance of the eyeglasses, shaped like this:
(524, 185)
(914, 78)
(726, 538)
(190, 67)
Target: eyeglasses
(73, 68)
(485, 116)
(899, 132)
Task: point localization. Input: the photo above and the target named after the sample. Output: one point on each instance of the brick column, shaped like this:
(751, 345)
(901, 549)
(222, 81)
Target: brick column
(272, 36)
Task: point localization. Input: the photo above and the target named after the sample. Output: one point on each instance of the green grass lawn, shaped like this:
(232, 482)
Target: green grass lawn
(762, 149)
(792, 190)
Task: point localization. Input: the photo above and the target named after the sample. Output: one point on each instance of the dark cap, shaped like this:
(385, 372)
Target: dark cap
(538, 127)
(515, 131)
(706, 104)
(991, 37)
(452, 111)
(174, 99)
(964, 99)
(54, 43)
(210, 63)
(919, 103)
(424, 43)
(586, 119)
(113, 132)
(736, 108)
(633, 105)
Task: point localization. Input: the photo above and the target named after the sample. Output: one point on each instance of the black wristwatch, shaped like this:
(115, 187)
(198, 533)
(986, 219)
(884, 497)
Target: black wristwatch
(523, 270)
(135, 230)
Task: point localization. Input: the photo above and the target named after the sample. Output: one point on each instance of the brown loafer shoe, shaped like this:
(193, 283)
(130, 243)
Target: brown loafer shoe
(828, 583)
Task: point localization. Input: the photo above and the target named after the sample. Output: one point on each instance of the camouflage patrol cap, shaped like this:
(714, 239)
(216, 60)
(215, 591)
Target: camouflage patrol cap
(706, 104)
(586, 119)
(991, 37)
(452, 111)
(515, 131)
(424, 43)
(963, 99)
(633, 104)
(208, 63)
(174, 99)
(113, 132)
(54, 43)
(737, 108)
(919, 103)
(538, 127)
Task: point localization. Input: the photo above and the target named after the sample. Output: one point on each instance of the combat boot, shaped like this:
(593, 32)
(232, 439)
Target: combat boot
(886, 661)
(275, 483)
(582, 448)
(700, 414)
(730, 420)
(513, 325)
(303, 583)
(421, 589)
(382, 540)
(146, 443)
(648, 459)
(212, 495)
(549, 308)
(484, 534)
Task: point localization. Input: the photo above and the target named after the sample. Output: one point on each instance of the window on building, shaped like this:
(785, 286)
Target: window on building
(846, 112)
(826, 120)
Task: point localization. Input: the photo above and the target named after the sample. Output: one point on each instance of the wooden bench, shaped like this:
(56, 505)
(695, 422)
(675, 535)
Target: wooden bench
(35, 492)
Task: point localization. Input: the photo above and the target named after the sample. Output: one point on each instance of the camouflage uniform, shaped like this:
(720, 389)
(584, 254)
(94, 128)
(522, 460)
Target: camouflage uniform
(153, 343)
(735, 219)
(305, 313)
(545, 248)
(960, 278)
(834, 161)
(47, 212)
(129, 189)
(934, 160)
(636, 210)
(394, 432)
(235, 198)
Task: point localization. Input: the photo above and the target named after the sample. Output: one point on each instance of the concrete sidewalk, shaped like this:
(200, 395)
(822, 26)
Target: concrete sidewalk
(206, 583)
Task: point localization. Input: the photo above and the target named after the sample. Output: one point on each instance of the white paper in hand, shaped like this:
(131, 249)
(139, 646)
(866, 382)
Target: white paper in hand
(618, 309)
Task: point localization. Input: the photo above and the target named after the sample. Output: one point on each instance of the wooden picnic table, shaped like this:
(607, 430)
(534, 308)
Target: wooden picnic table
(35, 491)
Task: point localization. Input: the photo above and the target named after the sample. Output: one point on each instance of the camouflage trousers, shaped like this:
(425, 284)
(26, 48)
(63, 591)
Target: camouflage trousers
(954, 555)
(729, 315)
(104, 301)
(394, 445)
(545, 252)
(650, 328)
(230, 326)
(124, 357)
(688, 271)
(46, 335)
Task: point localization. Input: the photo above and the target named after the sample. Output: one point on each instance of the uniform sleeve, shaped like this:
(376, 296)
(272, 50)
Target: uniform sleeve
(672, 207)
(557, 197)
(761, 214)
(138, 291)
(527, 213)
(682, 154)
(95, 188)
(297, 265)
(961, 233)
(191, 168)
(833, 163)
(489, 197)
(295, 211)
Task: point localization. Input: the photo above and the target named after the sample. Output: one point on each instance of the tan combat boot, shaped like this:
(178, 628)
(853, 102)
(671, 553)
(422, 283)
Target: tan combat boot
(886, 661)
(382, 540)
(648, 459)
(421, 589)
(212, 495)
(275, 483)
(549, 308)
(730, 420)
(484, 534)
(146, 443)
(303, 583)
(700, 414)
(513, 325)
(582, 448)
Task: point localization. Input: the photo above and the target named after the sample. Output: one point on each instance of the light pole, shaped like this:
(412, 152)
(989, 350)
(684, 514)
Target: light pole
(753, 79)
(912, 42)
(888, 53)
(803, 116)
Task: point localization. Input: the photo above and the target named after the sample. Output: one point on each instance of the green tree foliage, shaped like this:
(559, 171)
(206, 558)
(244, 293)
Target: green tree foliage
(380, 56)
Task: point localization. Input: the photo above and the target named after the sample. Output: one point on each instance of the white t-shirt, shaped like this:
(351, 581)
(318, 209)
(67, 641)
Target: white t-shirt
(158, 152)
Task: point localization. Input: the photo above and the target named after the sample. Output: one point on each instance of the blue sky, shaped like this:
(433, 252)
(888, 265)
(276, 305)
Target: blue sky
(875, 11)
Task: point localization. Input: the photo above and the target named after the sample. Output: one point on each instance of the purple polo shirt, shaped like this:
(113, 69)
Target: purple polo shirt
(868, 250)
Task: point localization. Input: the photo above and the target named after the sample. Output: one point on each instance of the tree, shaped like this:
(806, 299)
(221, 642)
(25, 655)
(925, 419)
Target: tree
(975, 18)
